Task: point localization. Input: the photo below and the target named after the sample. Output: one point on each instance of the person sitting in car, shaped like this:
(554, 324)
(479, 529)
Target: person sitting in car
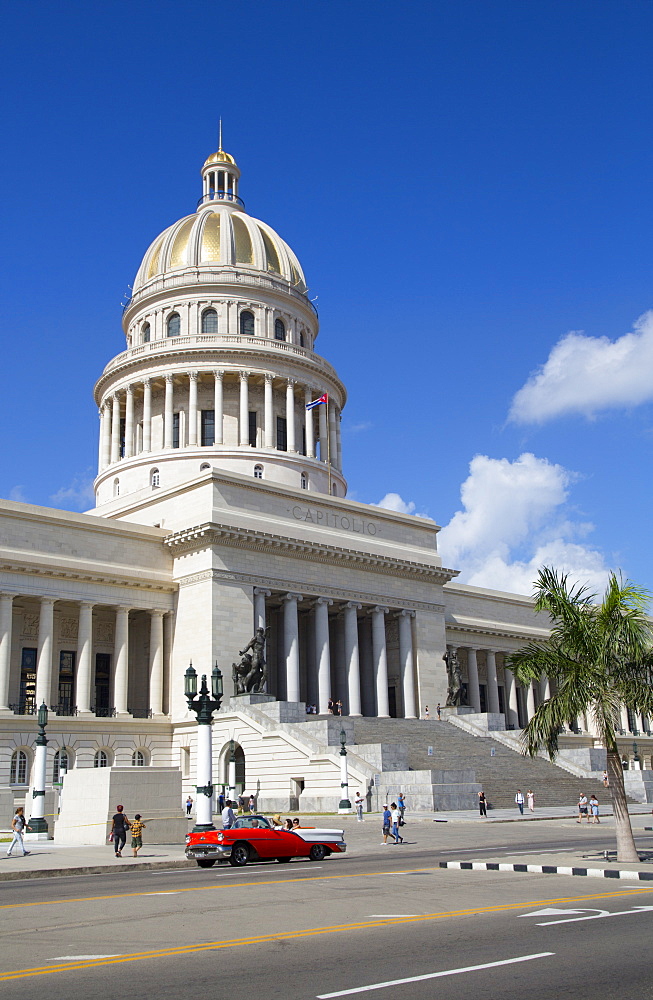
(296, 825)
(288, 824)
(276, 821)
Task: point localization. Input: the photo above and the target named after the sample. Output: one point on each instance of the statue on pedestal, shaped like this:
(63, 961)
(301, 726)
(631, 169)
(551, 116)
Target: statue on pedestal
(250, 674)
(455, 695)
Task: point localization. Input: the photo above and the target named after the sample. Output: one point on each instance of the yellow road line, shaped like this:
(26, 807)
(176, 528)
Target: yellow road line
(191, 949)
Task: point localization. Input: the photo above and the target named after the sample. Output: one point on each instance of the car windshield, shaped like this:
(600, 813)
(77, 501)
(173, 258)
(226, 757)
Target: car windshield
(251, 822)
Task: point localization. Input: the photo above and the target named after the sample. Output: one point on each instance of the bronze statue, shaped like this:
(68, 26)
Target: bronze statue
(250, 674)
(455, 695)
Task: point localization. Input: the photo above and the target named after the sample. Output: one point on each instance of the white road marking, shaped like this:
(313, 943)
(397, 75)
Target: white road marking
(435, 975)
(550, 911)
(80, 958)
(168, 892)
(599, 916)
(382, 916)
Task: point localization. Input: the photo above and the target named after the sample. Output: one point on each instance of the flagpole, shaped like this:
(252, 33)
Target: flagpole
(328, 430)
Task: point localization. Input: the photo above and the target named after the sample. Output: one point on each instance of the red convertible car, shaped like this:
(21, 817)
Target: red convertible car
(253, 839)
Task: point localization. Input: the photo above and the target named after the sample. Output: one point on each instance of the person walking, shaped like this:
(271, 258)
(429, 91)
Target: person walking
(189, 805)
(359, 802)
(252, 805)
(582, 808)
(427, 714)
(482, 804)
(401, 802)
(137, 834)
(228, 817)
(18, 826)
(530, 799)
(387, 818)
(605, 779)
(594, 809)
(119, 826)
(395, 816)
(438, 709)
(241, 805)
(519, 799)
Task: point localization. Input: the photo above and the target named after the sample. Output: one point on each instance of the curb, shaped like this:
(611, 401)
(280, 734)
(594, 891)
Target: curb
(489, 866)
(93, 870)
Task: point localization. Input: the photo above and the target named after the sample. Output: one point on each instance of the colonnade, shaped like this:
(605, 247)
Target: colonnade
(182, 388)
(318, 682)
(45, 664)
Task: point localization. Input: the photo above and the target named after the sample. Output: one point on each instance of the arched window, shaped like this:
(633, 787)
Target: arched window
(61, 765)
(303, 481)
(247, 323)
(258, 472)
(209, 321)
(204, 466)
(116, 487)
(145, 333)
(138, 758)
(100, 759)
(279, 330)
(18, 769)
(174, 325)
(301, 339)
(155, 479)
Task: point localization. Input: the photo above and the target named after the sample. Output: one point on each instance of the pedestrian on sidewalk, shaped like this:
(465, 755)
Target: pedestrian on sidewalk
(530, 799)
(401, 802)
(189, 805)
(119, 826)
(18, 826)
(359, 801)
(438, 709)
(427, 714)
(482, 804)
(387, 818)
(252, 805)
(605, 779)
(228, 817)
(519, 799)
(137, 838)
(582, 808)
(594, 808)
(395, 816)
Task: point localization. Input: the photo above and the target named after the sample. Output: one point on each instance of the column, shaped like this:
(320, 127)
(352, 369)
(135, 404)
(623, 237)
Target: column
(218, 407)
(530, 701)
(156, 662)
(512, 714)
(243, 423)
(84, 657)
(115, 430)
(545, 688)
(380, 657)
(333, 443)
(121, 660)
(192, 410)
(322, 653)
(339, 441)
(44, 654)
(101, 440)
(352, 657)
(406, 661)
(147, 415)
(168, 637)
(492, 684)
(625, 721)
(6, 616)
(291, 645)
(260, 595)
(290, 414)
(169, 412)
(129, 422)
(322, 425)
(268, 418)
(106, 433)
(308, 418)
(473, 689)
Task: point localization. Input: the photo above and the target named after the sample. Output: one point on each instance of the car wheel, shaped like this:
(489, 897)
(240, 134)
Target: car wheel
(206, 862)
(283, 861)
(318, 852)
(239, 855)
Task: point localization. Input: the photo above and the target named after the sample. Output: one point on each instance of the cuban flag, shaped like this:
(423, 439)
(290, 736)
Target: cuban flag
(316, 402)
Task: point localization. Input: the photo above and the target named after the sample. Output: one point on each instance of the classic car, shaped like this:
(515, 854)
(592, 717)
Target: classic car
(253, 838)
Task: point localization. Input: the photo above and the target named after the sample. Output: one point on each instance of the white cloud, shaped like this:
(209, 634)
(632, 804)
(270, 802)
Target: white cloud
(78, 496)
(514, 521)
(17, 494)
(588, 374)
(392, 501)
(364, 425)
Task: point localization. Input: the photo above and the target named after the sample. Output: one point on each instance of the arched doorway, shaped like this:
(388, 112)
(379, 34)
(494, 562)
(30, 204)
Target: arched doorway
(223, 767)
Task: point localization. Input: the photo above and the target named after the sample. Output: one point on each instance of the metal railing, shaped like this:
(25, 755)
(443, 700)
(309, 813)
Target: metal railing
(103, 712)
(140, 713)
(220, 196)
(24, 708)
(67, 710)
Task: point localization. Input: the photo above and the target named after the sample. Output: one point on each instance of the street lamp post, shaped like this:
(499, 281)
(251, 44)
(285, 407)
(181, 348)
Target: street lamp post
(37, 821)
(232, 769)
(344, 806)
(636, 760)
(204, 706)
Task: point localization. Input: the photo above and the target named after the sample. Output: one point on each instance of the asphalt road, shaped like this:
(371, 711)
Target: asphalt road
(305, 930)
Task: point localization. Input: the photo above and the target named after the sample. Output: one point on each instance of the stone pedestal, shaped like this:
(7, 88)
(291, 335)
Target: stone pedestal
(247, 699)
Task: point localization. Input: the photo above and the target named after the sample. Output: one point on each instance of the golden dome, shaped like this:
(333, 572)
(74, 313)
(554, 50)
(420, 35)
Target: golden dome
(220, 157)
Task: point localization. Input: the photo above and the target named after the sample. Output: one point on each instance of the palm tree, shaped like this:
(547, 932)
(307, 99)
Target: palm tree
(599, 658)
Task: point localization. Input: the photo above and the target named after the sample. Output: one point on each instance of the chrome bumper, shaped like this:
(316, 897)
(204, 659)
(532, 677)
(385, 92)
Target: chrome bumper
(210, 851)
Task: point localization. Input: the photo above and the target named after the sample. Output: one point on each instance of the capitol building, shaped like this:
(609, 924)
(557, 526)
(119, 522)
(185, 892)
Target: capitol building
(221, 506)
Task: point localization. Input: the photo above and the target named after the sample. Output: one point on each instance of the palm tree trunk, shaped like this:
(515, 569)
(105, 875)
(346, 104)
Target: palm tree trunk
(626, 850)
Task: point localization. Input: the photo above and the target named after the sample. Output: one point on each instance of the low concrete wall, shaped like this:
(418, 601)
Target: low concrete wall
(90, 796)
(427, 791)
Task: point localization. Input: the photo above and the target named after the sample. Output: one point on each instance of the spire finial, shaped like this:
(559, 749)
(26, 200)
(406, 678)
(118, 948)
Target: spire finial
(220, 137)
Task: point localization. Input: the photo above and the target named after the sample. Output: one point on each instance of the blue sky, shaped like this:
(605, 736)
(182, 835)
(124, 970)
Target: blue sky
(468, 187)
